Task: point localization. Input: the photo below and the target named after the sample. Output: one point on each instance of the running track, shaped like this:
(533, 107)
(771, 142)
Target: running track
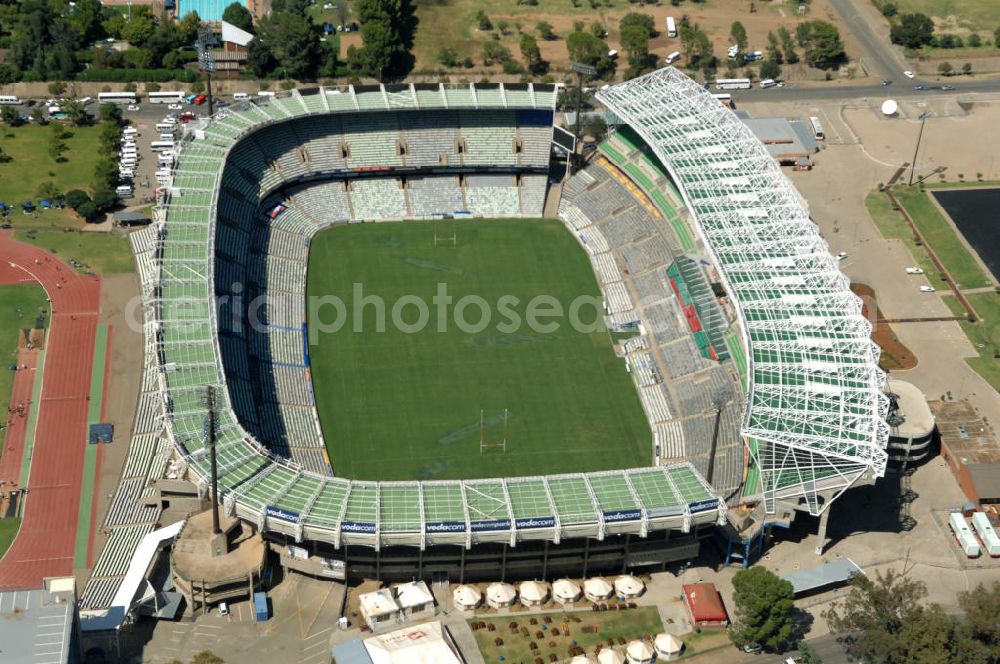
(45, 543)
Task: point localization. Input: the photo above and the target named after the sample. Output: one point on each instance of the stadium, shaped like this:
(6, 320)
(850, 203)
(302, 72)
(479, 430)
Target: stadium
(745, 349)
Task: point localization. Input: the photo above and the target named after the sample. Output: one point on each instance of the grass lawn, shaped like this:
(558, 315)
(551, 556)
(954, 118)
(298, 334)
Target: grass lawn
(19, 304)
(942, 237)
(396, 406)
(8, 529)
(976, 15)
(630, 624)
(893, 227)
(984, 335)
(31, 165)
(101, 252)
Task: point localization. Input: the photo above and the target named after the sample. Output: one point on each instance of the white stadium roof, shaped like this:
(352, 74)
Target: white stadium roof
(815, 409)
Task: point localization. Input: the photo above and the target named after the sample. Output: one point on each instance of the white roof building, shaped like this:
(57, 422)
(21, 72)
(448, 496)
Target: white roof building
(421, 644)
(233, 35)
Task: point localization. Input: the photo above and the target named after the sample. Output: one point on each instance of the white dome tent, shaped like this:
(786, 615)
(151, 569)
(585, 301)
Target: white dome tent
(500, 595)
(610, 657)
(565, 591)
(628, 586)
(889, 107)
(668, 646)
(466, 598)
(534, 593)
(639, 652)
(597, 589)
(583, 659)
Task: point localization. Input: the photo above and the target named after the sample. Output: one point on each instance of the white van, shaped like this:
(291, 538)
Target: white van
(164, 126)
(167, 136)
(768, 83)
(265, 93)
(673, 57)
(124, 191)
(166, 159)
(240, 96)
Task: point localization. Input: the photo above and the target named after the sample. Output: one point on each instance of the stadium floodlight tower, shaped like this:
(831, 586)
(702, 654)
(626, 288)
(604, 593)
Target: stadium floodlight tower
(814, 417)
(581, 70)
(206, 61)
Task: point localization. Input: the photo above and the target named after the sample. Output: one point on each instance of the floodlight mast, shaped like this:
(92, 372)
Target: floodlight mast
(581, 70)
(210, 441)
(206, 61)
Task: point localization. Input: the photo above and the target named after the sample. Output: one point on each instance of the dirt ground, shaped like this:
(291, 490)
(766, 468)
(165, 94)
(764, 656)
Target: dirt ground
(894, 354)
(714, 17)
(123, 380)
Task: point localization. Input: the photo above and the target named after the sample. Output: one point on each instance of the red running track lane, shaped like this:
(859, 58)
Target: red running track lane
(45, 542)
(17, 420)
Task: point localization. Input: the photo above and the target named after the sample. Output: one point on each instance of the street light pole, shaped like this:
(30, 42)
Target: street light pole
(920, 134)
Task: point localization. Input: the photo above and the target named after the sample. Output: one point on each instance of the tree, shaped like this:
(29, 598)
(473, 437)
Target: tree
(237, 14)
(10, 116)
(105, 199)
(448, 57)
(889, 9)
(696, 46)
(387, 28)
(967, 68)
(945, 68)
(75, 112)
(495, 53)
(588, 49)
(293, 42)
(788, 45)
(260, 60)
(56, 148)
(880, 618)
(88, 211)
(763, 609)
(981, 606)
(483, 21)
(770, 69)
(187, 28)
(913, 30)
(824, 48)
(598, 30)
(807, 655)
(75, 198)
(57, 88)
(996, 37)
(113, 112)
(635, 43)
(739, 35)
(644, 22)
(531, 53)
(141, 26)
(545, 31)
(207, 657)
(975, 40)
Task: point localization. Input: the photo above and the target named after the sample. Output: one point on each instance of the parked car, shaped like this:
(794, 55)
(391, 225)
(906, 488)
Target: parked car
(223, 609)
(175, 107)
(842, 255)
(920, 87)
(914, 270)
(886, 82)
(947, 87)
(132, 107)
(927, 289)
(908, 74)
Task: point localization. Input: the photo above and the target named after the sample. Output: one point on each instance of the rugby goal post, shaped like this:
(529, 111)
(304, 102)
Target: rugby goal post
(486, 446)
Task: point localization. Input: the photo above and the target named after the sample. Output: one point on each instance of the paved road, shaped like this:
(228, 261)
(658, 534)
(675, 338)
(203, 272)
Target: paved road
(887, 62)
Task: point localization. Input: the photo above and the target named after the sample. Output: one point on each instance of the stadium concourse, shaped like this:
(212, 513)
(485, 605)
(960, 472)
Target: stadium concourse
(259, 179)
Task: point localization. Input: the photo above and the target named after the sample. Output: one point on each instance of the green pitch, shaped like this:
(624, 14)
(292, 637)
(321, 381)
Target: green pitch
(396, 405)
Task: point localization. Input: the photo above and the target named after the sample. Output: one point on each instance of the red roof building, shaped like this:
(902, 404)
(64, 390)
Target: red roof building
(704, 604)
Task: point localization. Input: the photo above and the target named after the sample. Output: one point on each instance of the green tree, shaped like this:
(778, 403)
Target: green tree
(9, 74)
(764, 605)
(996, 37)
(739, 35)
(975, 40)
(967, 68)
(824, 47)
(588, 49)
(76, 112)
(912, 30)
(207, 657)
(483, 21)
(10, 116)
(237, 14)
(696, 46)
(75, 198)
(945, 68)
(770, 69)
(807, 655)
(188, 28)
(293, 41)
(788, 45)
(141, 26)
(57, 147)
(260, 60)
(889, 9)
(88, 211)
(532, 54)
(773, 51)
(981, 625)
(387, 28)
(635, 43)
(495, 53)
(105, 199)
(878, 616)
(598, 30)
(448, 57)
(57, 88)
(644, 22)
(87, 17)
(545, 31)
